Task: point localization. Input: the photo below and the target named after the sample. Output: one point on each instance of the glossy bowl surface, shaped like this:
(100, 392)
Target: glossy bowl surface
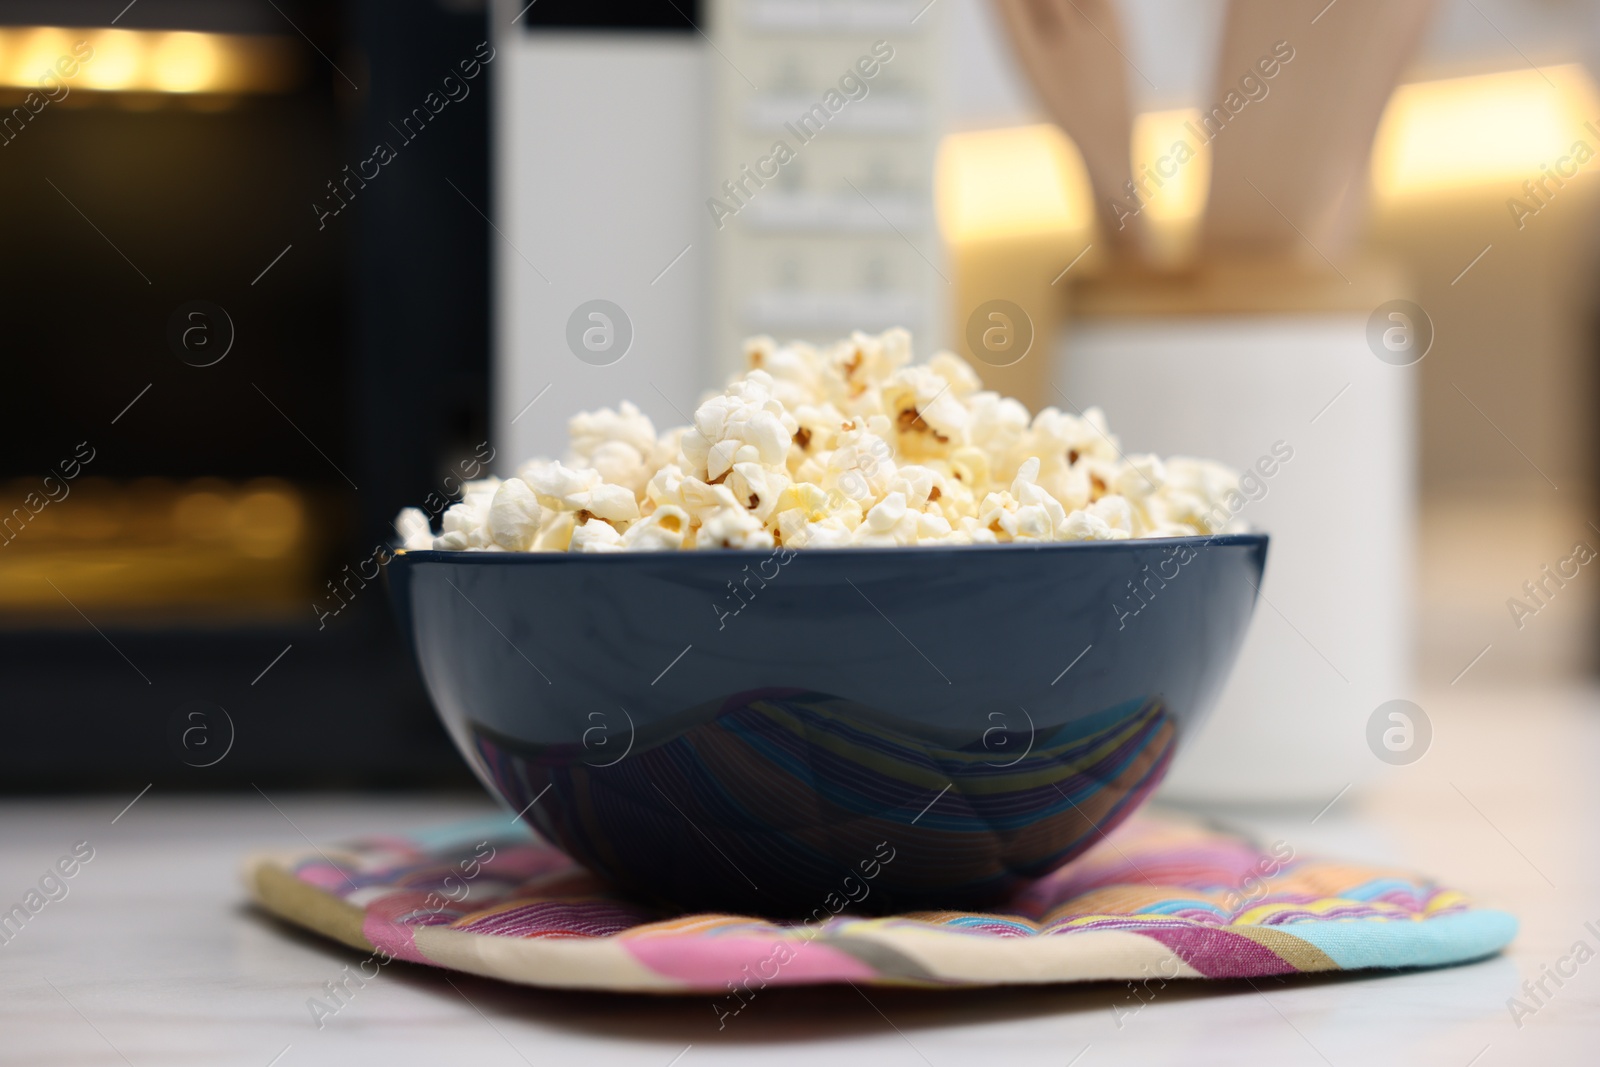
(791, 733)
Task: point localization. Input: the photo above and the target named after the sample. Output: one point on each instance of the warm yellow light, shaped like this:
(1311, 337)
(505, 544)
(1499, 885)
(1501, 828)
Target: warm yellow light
(147, 61)
(33, 54)
(201, 515)
(1010, 183)
(1172, 167)
(1030, 180)
(1489, 129)
(118, 60)
(267, 522)
(184, 63)
(1172, 164)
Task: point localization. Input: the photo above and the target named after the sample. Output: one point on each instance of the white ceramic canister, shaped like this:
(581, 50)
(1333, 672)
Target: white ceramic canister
(1278, 377)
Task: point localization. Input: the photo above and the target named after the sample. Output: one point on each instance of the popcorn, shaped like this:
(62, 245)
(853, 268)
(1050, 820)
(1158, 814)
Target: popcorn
(733, 528)
(556, 533)
(591, 430)
(864, 360)
(746, 424)
(663, 530)
(560, 488)
(1083, 526)
(964, 381)
(466, 522)
(618, 445)
(887, 514)
(514, 516)
(927, 416)
(614, 503)
(842, 445)
(596, 535)
(759, 489)
(618, 463)
(996, 426)
(862, 467)
(1115, 512)
(1201, 494)
(1037, 509)
(416, 535)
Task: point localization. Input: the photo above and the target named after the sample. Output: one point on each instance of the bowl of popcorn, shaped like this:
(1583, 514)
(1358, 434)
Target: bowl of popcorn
(864, 636)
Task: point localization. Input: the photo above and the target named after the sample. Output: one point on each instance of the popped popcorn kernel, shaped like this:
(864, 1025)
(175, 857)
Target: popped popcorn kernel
(590, 431)
(514, 516)
(416, 534)
(559, 487)
(596, 535)
(663, 530)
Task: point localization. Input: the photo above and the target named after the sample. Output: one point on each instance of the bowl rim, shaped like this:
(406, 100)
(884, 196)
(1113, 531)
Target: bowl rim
(602, 559)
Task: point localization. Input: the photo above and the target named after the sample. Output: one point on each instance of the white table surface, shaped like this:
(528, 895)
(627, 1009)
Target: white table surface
(156, 958)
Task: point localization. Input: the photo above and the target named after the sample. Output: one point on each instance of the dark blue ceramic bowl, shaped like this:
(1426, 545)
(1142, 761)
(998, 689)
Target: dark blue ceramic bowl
(788, 733)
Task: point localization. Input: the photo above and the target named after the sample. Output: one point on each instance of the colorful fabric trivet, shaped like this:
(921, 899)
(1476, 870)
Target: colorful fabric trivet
(1159, 897)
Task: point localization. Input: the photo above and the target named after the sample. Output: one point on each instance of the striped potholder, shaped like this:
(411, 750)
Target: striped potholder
(1160, 898)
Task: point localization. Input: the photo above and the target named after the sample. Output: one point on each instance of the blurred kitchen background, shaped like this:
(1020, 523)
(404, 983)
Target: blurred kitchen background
(239, 337)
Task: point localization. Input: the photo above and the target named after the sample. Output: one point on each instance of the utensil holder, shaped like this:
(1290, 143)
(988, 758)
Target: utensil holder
(1245, 363)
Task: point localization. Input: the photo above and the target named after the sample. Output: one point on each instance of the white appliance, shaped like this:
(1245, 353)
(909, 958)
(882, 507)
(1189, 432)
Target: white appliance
(842, 235)
(600, 169)
(619, 124)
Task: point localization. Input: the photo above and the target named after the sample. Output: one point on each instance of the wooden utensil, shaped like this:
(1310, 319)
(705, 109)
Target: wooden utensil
(1284, 162)
(1073, 54)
